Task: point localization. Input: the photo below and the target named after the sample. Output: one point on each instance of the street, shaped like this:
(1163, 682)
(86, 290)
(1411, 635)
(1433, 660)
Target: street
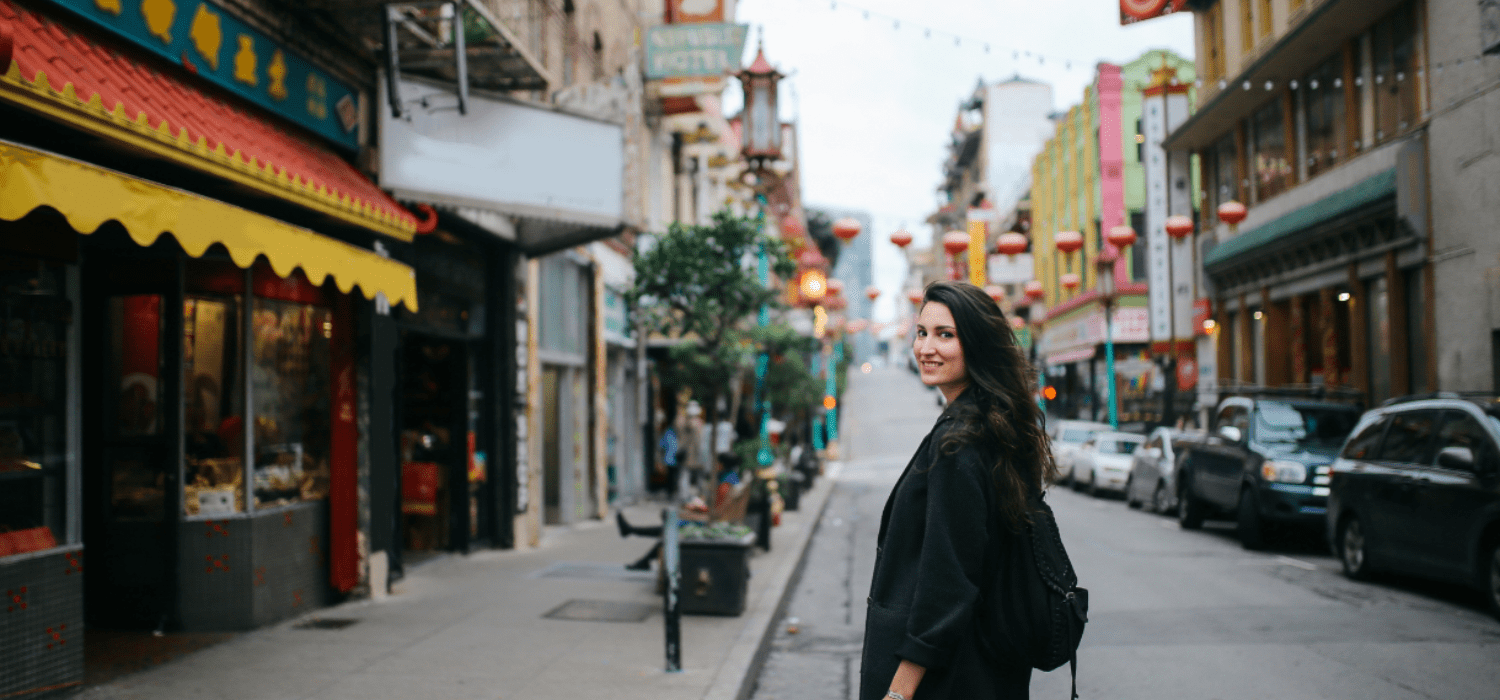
(1174, 614)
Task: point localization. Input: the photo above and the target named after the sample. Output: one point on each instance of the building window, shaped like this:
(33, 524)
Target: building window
(1324, 114)
(1213, 44)
(1273, 169)
(1247, 25)
(1394, 43)
(1265, 18)
(1220, 177)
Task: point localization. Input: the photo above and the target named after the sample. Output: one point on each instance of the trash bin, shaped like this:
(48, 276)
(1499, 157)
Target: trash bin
(715, 574)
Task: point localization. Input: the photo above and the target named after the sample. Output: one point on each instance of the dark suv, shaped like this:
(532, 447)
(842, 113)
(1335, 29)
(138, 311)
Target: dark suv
(1265, 462)
(1417, 490)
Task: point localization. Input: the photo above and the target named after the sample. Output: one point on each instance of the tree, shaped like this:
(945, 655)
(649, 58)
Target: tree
(698, 284)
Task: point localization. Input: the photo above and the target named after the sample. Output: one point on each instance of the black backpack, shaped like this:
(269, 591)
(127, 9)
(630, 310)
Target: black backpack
(1034, 610)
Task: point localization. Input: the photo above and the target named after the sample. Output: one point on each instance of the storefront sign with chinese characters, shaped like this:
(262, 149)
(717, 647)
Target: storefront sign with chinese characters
(1132, 11)
(212, 43)
(679, 50)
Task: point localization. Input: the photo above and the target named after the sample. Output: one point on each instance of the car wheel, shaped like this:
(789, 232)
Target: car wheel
(1159, 499)
(1354, 551)
(1093, 485)
(1252, 529)
(1189, 510)
(1492, 581)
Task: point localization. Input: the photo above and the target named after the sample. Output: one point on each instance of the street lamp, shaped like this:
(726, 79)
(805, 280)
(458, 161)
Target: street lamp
(1106, 270)
(762, 124)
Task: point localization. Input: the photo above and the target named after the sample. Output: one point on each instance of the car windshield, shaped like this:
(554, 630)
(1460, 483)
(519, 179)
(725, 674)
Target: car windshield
(1076, 435)
(1118, 447)
(1303, 427)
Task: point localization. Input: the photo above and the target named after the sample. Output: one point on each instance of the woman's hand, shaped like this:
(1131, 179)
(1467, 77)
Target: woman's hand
(908, 676)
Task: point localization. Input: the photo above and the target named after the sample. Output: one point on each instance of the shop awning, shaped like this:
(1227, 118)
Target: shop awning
(88, 196)
(96, 85)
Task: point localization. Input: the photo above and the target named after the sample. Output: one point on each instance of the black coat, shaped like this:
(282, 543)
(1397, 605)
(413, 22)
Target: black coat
(938, 535)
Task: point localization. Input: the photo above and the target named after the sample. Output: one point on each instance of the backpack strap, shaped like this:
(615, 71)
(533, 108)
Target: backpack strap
(1073, 669)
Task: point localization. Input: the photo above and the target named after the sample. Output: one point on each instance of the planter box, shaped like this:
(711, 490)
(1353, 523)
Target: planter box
(715, 575)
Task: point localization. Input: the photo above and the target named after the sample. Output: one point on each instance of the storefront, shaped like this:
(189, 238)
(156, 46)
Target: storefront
(1074, 359)
(186, 285)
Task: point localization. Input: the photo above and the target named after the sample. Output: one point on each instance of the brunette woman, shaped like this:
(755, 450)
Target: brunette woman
(961, 500)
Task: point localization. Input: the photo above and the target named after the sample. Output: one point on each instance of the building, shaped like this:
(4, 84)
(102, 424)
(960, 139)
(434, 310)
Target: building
(856, 269)
(1315, 116)
(1089, 178)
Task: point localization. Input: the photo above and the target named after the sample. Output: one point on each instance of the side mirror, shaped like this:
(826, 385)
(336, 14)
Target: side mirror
(1456, 457)
(1231, 434)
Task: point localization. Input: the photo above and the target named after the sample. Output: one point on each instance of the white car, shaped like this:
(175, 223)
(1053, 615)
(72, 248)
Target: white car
(1102, 463)
(1067, 435)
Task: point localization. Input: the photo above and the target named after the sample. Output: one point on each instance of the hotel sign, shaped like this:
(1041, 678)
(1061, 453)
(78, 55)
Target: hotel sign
(681, 50)
(203, 38)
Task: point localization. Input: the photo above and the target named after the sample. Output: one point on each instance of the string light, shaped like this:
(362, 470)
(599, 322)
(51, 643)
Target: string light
(958, 39)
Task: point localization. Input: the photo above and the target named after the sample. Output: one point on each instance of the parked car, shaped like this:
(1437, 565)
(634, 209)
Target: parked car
(1066, 436)
(1417, 490)
(1152, 468)
(1102, 462)
(1264, 463)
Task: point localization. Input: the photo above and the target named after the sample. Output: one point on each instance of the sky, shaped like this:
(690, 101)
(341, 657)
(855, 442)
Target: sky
(875, 98)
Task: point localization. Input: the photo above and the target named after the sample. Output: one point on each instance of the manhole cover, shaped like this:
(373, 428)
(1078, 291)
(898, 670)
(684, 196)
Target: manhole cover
(325, 623)
(601, 611)
(593, 571)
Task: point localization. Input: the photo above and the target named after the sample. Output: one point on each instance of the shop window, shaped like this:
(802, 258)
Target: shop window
(1273, 170)
(564, 311)
(213, 406)
(1324, 114)
(289, 380)
(1378, 332)
(1224, 182)
(135, 376)
(1394, 43)
(34, 319)
(1138, 251)
(1416, 334)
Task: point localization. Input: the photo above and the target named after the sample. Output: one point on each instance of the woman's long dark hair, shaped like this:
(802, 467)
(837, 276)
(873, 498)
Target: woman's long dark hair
(1001, 412)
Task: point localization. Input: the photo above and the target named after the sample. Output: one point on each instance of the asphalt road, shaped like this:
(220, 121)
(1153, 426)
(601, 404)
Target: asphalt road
(1175, 614)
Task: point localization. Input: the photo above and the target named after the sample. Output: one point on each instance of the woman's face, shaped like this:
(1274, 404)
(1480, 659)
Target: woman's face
(940, 357)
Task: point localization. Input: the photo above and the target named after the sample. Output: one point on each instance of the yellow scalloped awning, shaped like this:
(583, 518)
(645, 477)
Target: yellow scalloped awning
(88, 196)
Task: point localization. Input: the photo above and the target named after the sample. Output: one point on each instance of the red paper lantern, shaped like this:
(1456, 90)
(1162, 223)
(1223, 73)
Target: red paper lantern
(995, 291)
(1232, 212)
(1179, 226)
(857, 325)
(914, 296)
(836, 303)
(872, 292)
(810, 257)
(1017, 323)
(846, 228)
(1035, 290)
(955, 242)
(835, 287)
(792, 225)
(1121, 236)
(1068, 241)
(901, 238)
(1069, 280)
(1011, 244)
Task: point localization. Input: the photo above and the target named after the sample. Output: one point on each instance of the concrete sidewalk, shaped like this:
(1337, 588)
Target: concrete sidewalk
(473, 627)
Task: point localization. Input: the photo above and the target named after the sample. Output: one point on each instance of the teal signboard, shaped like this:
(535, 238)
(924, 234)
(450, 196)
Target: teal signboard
(208, 41)
(683, 50)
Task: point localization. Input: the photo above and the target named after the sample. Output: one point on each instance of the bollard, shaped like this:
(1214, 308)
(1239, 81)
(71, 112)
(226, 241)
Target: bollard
(672, 602)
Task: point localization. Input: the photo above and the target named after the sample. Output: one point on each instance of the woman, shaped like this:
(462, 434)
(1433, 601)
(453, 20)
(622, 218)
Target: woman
(958, 504)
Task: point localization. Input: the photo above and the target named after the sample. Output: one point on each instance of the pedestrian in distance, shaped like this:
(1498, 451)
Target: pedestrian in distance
(956, 511)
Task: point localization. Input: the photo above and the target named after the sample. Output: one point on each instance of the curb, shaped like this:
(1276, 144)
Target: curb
(736, 677)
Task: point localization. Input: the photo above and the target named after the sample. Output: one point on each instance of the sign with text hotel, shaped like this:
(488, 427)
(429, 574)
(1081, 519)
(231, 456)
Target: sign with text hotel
(206, 40)
(682, 50)
(1132, 11)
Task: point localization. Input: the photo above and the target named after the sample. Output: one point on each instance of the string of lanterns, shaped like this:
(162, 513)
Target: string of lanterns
(928, 32)
(1438, 70)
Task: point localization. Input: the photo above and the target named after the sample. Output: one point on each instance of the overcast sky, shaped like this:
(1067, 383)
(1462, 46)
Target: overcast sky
(876, 102)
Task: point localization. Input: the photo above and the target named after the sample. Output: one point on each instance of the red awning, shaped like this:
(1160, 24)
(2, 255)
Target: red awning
(101, 88)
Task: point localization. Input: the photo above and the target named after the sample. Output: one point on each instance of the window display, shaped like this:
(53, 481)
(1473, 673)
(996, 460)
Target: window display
(290, 392)
(34, 319)
(213, 407)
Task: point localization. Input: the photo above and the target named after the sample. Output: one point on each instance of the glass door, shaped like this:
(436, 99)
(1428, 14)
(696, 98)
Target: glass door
(132, 474)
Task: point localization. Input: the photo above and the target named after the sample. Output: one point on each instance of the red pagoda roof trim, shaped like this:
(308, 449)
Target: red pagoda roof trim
(103, 89)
